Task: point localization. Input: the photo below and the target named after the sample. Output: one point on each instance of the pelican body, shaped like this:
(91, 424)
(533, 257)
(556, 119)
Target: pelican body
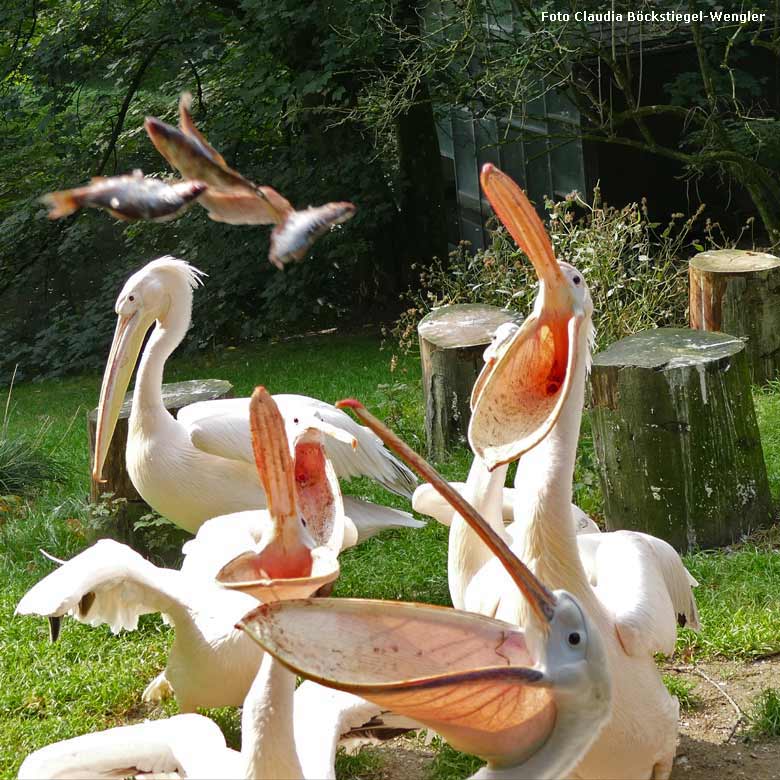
(199, 465)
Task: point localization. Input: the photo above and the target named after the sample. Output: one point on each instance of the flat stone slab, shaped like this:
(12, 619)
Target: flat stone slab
(464, 324)
(178, 394)
(669, 348)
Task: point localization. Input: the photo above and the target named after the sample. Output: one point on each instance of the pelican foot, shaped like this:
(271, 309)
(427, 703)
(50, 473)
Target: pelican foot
(158, 689)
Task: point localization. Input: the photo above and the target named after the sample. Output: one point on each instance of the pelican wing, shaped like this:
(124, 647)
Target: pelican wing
(643, 582)
(107, 583)
(465, 675)
(223, 538)
(222, 428)
(182, 746)
(371, 519)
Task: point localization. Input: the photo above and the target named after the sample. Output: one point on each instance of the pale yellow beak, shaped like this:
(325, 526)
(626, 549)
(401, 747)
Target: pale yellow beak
(521, 390)
(128, 339)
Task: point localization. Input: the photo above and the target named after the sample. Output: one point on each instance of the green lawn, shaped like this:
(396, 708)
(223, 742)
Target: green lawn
(91, 679)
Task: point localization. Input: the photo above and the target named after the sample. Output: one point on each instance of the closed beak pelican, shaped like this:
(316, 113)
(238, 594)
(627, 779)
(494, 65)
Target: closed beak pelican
(200, 464)
(530, 703)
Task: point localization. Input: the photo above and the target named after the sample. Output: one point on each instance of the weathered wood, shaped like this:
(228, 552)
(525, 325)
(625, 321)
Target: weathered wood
(175, 396)
(738, 292)
(676, 437)
(452, 340)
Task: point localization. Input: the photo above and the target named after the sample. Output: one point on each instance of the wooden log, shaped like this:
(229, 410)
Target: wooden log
(452, 340)
(738, 292)
(676, 438)
(175, 396)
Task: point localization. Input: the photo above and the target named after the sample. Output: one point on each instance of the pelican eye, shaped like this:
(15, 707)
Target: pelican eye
(576, 279)
(295, 420)
(131, 297)
(574, 638)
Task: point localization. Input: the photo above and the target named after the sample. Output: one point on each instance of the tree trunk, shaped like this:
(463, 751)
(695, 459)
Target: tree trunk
(676, 438)
(738, 292)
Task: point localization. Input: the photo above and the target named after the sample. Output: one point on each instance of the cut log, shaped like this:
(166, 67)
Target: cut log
(452, 340)
(676, 438)
(175, 396)
(738, 292)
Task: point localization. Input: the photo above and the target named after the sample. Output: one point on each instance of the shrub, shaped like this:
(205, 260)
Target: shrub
(635, 269)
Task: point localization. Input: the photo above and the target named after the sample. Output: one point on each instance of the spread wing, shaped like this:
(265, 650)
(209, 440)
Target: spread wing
(222, 428)
(107, 583)
(643, 582)
(181, 746)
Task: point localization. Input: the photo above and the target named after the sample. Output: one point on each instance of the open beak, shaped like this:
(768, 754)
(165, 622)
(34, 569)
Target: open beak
(128, 339)
(289, 563)
(520, 392)
(471, 678)
(541, 600)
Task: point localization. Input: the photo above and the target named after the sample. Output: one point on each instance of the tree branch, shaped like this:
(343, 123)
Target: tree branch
(132, 89)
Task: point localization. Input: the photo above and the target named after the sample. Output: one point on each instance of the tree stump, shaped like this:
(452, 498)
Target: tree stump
(175, 396)
(452, 340)
(676, 438)
(738, 292)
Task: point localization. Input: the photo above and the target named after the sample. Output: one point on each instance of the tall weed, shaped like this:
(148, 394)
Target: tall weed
(635, 269)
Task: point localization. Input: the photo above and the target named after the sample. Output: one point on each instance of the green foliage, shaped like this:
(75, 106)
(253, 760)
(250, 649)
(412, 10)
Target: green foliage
(449, 763)
(635, 270)
(767, 401)
(366, 764)
(272, 85)
(683, 690)
(764, 715)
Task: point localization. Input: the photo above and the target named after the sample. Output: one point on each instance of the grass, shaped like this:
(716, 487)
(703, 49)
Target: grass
(683, 690)
(92, 680)
(764, 716)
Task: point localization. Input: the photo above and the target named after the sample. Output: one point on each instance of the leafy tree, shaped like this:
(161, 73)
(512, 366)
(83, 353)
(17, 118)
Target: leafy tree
(716, 118)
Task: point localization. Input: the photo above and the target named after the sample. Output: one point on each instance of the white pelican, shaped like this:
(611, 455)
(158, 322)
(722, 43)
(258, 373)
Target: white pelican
(196, 466)
(287, 563)
(634, 588)
(530, 704)
(211, 664)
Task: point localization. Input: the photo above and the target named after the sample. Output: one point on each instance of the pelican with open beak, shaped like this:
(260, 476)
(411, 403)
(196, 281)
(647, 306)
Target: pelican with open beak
(529, 701)
(521, 390)
(287, 562)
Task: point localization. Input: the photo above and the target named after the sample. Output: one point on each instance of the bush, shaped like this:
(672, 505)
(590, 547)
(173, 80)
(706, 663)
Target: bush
(635, 269)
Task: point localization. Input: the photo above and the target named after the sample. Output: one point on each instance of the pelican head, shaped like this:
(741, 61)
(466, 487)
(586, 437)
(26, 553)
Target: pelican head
(299, 552)
(521, 390)
(161, 290)
(530, 702)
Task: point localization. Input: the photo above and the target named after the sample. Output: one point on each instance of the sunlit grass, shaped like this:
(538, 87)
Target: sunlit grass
(683, 690)
(92, 680)
(764, 715)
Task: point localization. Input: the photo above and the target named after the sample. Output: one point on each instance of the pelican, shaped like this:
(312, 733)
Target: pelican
(199, 465)
(527, 404)
(211, 663)
(318, 493)
(287, 563)
(529, 703)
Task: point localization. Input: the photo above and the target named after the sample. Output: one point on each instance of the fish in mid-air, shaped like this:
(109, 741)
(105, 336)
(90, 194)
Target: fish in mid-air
(233, 199)
(129, 197)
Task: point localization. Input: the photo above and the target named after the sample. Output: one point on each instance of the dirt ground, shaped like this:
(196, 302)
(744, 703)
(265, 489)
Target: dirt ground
(712, 743)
